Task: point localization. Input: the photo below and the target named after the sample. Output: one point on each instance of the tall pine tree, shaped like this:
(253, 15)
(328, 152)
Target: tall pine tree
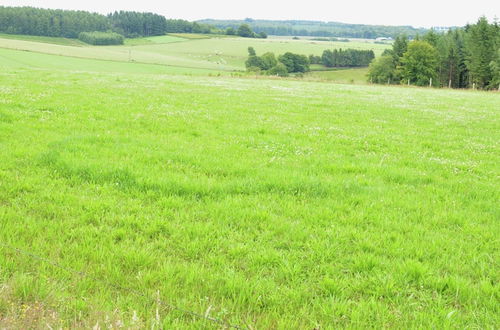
(482, 45)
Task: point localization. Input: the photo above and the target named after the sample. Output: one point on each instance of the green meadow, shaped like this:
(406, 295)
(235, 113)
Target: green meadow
(10, 59)
(42, 39)
(342, 76)
(261, 203)
(219, 53)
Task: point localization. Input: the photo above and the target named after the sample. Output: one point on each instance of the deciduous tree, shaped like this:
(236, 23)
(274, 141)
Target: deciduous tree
(419, 63)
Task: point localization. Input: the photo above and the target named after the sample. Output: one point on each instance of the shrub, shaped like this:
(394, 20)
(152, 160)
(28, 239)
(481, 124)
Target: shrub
(382, 70)
(254, 61)
(101, 38)
(251, 51)
(245, 31)
(295, 62)
(314, 59)
(268, 61)
(254, 69)
(278, 70)
(262, 35)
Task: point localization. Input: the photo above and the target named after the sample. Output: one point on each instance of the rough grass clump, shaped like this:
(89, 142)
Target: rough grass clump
(97, 38)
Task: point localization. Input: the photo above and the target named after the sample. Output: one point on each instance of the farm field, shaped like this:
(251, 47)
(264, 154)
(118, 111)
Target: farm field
(154, 40)
(262, 203)
(31, 60)
(221, 54)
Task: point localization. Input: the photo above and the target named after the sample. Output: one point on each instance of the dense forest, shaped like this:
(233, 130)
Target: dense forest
(70, 23)
(466, 57)
(317, 29)
(134, 24)
(49, 22)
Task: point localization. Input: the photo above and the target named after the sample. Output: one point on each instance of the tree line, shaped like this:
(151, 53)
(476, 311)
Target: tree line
(245, 31)
(317, 28)
(101, 38)
(282, 65)
(461, 58)
(343, 58)
(70, 23)
(289, 62)
(50, 22)
(133, 24)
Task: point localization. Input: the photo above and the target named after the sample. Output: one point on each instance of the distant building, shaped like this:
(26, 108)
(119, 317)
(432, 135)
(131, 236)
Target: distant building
(383, 39)
(440, 29)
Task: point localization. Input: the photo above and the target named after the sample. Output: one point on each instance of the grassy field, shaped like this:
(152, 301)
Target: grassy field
(154, 40)
(49, 40)
(219, 53)
(343, 76)
(265, 203)
(46, 62)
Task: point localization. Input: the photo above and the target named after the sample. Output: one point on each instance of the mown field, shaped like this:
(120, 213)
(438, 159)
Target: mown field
(262, 203)
(220, 53)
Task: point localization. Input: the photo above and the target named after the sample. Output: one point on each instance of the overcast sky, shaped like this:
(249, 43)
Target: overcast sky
(419, 13)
